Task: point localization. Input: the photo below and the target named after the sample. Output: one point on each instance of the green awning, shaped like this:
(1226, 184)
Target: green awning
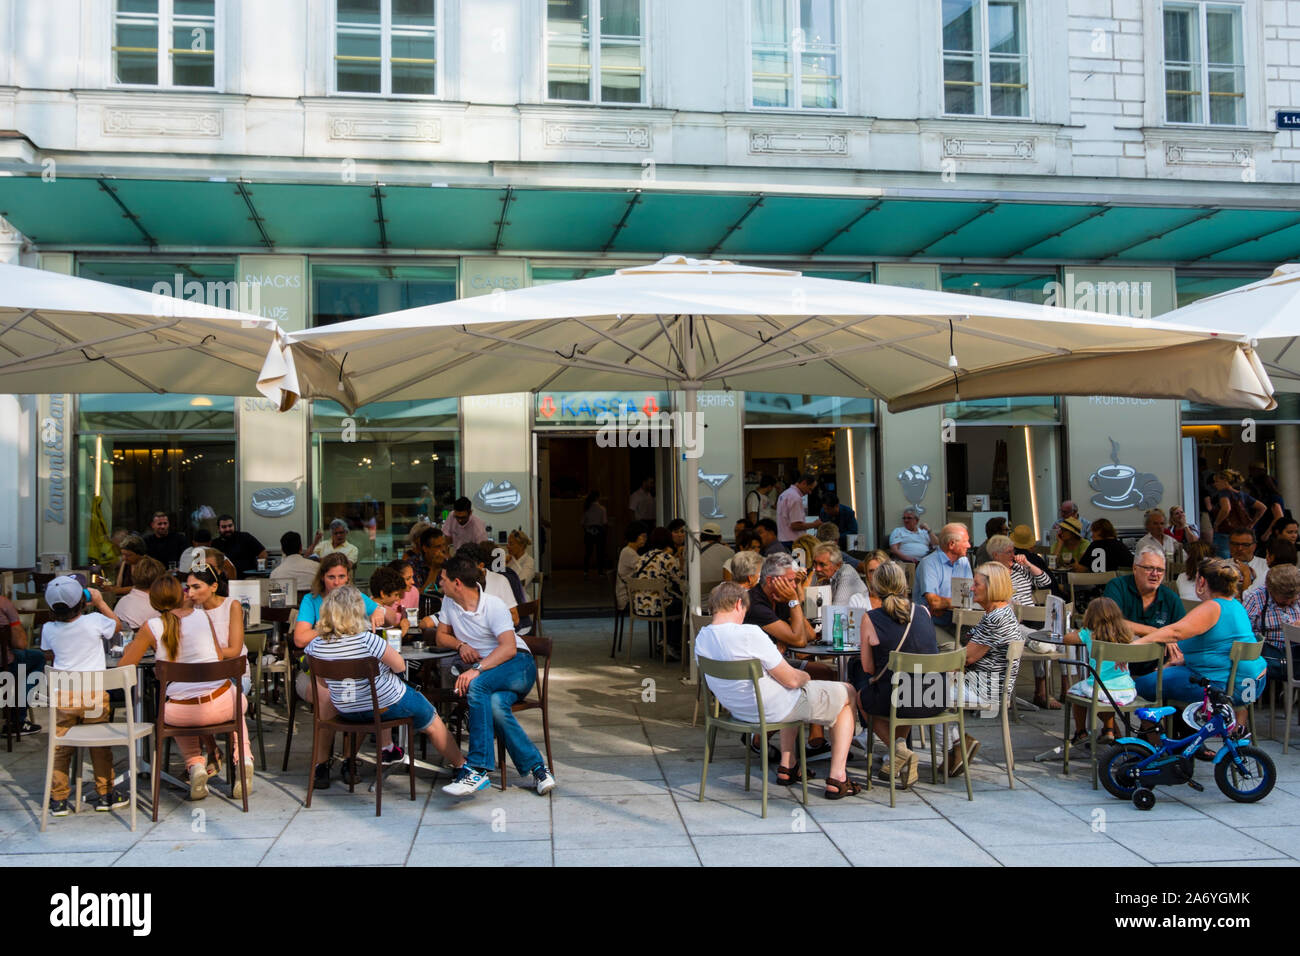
(75, 213)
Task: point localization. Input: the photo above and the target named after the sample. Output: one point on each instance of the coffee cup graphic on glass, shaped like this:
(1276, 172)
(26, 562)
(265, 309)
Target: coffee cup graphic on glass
(1115, 482)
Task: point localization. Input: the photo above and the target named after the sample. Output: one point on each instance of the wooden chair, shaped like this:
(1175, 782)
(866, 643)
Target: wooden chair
(750, 670)
(1034, 616)
(1245, 651)
(171, 672)
(282, 618)
(1104, 652)
(1015, 649)
(363, 670)
(950, 666)
(1291, 633)
(659, 589)
(8, 711)
(909, 569)
(965, 617)
(617, 643)
(107, 734)
(541, 648)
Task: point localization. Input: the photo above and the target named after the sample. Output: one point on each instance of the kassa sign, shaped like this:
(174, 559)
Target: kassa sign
(586, 408)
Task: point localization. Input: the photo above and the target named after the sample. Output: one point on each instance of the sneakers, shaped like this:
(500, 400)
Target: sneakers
(198, 782)
(322, 781)
(103, 802)
(544, 780)
(955, 759)
(237, 791)
(469, 781)
(393, 754)
(59, 808)
(30, 728)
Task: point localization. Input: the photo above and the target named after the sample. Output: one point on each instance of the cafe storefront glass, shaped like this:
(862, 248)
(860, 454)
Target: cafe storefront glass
(382, 469)
(172, 453)
(342, 291)
(830, 436)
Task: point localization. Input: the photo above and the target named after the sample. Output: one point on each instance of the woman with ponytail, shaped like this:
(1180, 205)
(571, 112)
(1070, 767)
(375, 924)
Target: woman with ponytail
(181, 635)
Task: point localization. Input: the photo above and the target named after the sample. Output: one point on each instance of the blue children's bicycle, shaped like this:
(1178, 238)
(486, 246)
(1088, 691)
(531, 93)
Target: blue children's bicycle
(1131, 767)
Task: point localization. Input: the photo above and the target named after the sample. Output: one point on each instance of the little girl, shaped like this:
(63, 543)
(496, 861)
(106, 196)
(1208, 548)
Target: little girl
(1101, 622)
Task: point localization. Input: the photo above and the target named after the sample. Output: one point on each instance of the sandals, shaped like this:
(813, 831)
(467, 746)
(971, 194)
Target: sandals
(1047, 703)
(791, 776)
(843, 788)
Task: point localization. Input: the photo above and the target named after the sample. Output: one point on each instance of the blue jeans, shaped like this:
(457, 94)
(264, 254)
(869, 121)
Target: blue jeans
(490, 697)
(1178, 685)
(413, 704)
(32, 662)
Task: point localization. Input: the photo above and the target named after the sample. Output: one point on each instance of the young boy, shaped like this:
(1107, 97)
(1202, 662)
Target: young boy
(386, 590)
(76, 638)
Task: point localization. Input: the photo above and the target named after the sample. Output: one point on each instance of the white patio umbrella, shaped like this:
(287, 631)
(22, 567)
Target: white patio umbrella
(701, 324)
(1267, 311)
(60, 333)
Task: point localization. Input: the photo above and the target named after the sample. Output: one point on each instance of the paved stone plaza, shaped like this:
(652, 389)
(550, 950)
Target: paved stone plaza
(629, 773)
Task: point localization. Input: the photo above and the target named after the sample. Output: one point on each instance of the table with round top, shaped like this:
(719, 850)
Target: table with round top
(842, 655)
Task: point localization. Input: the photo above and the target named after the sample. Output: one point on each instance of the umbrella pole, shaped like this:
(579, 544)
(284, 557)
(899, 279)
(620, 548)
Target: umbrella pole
(691, 489)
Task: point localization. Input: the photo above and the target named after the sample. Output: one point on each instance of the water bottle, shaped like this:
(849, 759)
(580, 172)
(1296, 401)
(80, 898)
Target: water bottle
(837, 631)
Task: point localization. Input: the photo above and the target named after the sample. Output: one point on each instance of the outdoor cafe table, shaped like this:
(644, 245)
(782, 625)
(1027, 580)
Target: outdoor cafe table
(842, 656)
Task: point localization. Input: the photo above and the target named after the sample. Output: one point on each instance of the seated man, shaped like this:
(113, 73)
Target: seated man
(1146, 604)
(841, 516)
(713, 553)
(788, 694)
(934, 573)
(293, 566)
(1253, 567)
(498, 671)
(1070, 510)
(766, 531)
(913, 541)
(846, 586)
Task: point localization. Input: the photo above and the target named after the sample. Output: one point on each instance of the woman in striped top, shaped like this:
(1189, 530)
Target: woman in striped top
(1025, 577)
(343, 633)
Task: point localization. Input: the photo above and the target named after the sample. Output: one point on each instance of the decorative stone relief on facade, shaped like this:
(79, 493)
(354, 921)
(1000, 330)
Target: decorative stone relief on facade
(385, 129)
(958, 147)
(799, 142)
(155, 122)
(1181, 154)
(596, 136)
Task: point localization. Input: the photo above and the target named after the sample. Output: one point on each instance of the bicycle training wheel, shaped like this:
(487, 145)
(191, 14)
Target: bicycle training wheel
(1249, 778)
(1113, 767)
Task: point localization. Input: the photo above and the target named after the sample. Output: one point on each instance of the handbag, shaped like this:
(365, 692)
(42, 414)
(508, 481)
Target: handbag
(901, 641)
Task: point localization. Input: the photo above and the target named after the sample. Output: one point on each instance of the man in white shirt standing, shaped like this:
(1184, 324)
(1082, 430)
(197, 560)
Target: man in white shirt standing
(790, 510)
(642, 502)
(497, 670)
(788, 694)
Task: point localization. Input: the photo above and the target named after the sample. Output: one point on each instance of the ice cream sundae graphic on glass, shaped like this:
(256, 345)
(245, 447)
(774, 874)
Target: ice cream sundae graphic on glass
(915, 479)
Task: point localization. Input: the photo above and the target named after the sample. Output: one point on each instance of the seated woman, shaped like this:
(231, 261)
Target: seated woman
(1204, 639)
(182, 634)
(986, 651)
(900, 625)
(660, 564)
(1104, 622)
(1195, 552)
(343, 633)
(870, 564)
(804, 545)
(201, 593)
(1105, 553)
(746, 540)
(335, 571)
(518, 559)
(1069, 544)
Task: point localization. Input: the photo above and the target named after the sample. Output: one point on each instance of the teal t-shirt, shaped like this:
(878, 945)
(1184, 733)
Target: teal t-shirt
(1114, 676)
(1206, 655)
(309, 610)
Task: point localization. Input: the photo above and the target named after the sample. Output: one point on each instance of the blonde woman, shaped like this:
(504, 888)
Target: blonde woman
(897, 625)
(518, 559)
(986, 649)
(181, 634)
(343, 634)
(805, 543)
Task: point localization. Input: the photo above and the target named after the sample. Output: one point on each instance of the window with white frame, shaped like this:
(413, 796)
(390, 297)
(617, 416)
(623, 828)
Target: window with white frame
(607, 67)
(167, 43)
(386, 47)
(795, 54)
(985, 58)
(1205, 69)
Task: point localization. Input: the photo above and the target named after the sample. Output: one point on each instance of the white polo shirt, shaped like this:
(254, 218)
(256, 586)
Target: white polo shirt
(480, 629)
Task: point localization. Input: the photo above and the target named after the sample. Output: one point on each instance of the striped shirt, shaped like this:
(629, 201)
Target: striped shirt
(1268, 618)
(353, 697)
(1024, 580)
